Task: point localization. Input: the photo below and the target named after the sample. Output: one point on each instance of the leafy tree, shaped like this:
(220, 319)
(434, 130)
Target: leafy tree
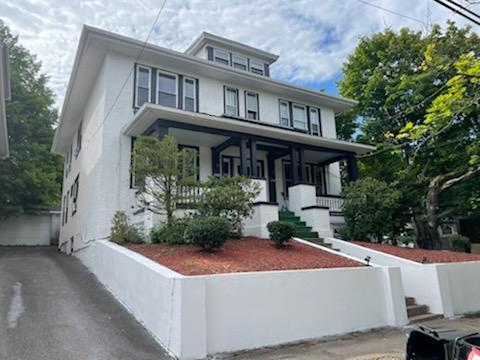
(30, 179)
(122, 232)
(388, 74)
(229, 197)
(163, 170)
(368, 206)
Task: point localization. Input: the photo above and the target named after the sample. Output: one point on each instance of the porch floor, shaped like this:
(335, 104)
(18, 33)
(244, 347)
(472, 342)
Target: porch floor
(241, 255)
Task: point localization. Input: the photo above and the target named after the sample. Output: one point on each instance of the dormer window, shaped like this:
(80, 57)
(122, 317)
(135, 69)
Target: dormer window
(239, 62)
(143, 87)
(256, 67)
(222, 57)
(167, 89)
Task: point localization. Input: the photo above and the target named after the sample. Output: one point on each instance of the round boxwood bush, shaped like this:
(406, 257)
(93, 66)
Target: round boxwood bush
(280, 232)
(170, 234)
(460, 243)
(209, 232)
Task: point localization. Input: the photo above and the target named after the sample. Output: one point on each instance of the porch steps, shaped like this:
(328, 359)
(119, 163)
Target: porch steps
(301, 229)
(418, 313)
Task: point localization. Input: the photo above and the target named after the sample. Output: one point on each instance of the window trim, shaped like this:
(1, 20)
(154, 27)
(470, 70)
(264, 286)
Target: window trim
(317, 110)
(74, 194)
(247, 93)
(225, 88)
(293, 117)
(260, 68)
(169, 74)
(242, 57)
(280, 102)
(185, 78)
(217, 50)
(149, 83)
(79, 139)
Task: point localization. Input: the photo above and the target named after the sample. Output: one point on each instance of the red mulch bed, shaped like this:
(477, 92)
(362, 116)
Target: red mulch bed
(433, 256)
(241, 255)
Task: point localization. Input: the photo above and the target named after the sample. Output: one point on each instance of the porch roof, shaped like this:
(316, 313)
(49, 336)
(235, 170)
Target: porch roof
(150, 113)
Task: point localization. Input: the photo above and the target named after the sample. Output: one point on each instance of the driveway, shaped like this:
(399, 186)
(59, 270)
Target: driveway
(52, 307)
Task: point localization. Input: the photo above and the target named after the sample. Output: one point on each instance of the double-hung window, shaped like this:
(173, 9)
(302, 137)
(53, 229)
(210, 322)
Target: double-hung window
(167, 89)
(299, 116)
(143, 85)
(189, 94)
(74, 193)
(315, 121)
(221, 56)
(284, 114)
(79, 139)
(251, 105)
(239, 62)
(256, 67)
(231, 101)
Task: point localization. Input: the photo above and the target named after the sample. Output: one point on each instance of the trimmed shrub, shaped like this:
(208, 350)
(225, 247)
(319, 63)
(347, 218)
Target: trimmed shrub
(280, 232)
(405, 240)
(460, 243)
(122, 232)
(170, 234)
(209, 232)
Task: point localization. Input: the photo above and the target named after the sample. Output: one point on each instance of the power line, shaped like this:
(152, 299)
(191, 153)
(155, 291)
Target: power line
(132, 69)
(391, 11)
(464, 8)
(457, 11)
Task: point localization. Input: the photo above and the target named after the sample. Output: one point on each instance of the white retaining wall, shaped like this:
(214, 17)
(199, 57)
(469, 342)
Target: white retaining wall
(193, 316)
(448, 289)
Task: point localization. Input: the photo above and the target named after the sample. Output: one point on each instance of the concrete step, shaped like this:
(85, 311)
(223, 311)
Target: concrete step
(424, 317)
(410, 300)
(415, 310)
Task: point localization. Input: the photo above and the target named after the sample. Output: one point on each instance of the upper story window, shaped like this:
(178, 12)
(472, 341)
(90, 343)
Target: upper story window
(256, 67)
(143, 85)
(231, 101)
(189, 94)
(79, 139)
(74, 194)
(251, 105)
(284, 113)
(239, 62)
(167, 89)
(221, 56)
(315, 121)
(299, 113)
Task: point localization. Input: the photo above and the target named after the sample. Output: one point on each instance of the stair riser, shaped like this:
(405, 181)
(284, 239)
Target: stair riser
(414, 320)
(415, 311)
(410, 301)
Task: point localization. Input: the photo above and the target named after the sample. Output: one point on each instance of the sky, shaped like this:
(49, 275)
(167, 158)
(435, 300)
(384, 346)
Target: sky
(312, 37)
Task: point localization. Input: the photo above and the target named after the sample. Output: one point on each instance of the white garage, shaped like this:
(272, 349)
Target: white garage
(30, 230)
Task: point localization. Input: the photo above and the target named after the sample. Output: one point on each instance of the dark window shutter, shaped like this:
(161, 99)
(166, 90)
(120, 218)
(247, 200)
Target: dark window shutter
(180, 91)
(267, 70)
(210, 53)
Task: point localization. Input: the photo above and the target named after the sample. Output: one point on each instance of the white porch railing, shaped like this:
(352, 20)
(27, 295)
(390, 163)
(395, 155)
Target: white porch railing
(333, 202)
(189, 196)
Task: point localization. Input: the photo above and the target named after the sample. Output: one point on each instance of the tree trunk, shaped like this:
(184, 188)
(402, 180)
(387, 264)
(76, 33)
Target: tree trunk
(432, 212)
(422, 235)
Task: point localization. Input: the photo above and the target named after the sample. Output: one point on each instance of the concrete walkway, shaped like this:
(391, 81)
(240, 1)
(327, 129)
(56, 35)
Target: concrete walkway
(354, 346)
(51, 307)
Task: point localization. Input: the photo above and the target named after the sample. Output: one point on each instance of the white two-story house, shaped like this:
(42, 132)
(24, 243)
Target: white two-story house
(216, 97)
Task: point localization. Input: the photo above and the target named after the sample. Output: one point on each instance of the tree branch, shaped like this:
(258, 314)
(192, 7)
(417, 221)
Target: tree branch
(455, 178)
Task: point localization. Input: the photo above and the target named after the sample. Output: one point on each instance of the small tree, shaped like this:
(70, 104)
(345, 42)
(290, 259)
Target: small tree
(122, 231)
(162, 169)
(368, 208)
(229, 197)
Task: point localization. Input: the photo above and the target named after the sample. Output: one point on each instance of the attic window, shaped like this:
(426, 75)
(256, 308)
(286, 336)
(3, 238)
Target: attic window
(239, 62)
(256, 67)
(221, 57)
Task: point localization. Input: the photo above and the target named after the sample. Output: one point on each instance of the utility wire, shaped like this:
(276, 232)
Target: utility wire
(464, 8)
(457, 11)
(391, 11)
(131, 70)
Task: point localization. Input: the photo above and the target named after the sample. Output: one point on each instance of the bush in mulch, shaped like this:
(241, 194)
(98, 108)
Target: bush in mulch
(122, 232)
(173, 233)
(209, 233)
(460, 243)
(280, 232)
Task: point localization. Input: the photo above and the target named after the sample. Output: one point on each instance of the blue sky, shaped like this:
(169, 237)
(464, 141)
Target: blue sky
(312, 37)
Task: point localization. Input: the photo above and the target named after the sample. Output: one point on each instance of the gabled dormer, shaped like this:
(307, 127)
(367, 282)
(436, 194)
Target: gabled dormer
(231, 53)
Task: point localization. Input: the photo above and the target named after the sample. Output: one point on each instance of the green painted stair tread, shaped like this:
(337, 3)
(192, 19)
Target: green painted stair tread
(301, 229)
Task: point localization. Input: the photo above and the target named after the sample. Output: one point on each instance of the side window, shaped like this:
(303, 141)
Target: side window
(167, 89)
(79, 139)
(66, 206)
(231, 101)
(284, 114)
(143, 85)
(315, 122)
(251, 105)
(75, 196)
(70, 155)
(189, 94)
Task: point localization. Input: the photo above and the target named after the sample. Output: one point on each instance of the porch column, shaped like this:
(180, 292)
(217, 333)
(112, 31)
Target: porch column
(253, 159)
(243, 156)
(272, 191)
(303, 170)
(352, 167)
(294, 160)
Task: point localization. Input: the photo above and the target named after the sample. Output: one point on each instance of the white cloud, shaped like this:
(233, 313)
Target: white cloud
(312, 37)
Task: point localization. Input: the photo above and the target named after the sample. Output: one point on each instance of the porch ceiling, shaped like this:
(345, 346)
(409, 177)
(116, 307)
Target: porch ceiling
(150, 113)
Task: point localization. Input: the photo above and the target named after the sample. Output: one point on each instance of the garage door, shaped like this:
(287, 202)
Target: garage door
(26, 230)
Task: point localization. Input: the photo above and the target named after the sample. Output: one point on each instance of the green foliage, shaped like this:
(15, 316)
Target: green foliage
(280, 232)
(460, 243)
(406, 240)
(173, 233)
(30, 179)
(122, 232)
(208, 232)
(368, 208)
(229, 197)
(162, 170)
